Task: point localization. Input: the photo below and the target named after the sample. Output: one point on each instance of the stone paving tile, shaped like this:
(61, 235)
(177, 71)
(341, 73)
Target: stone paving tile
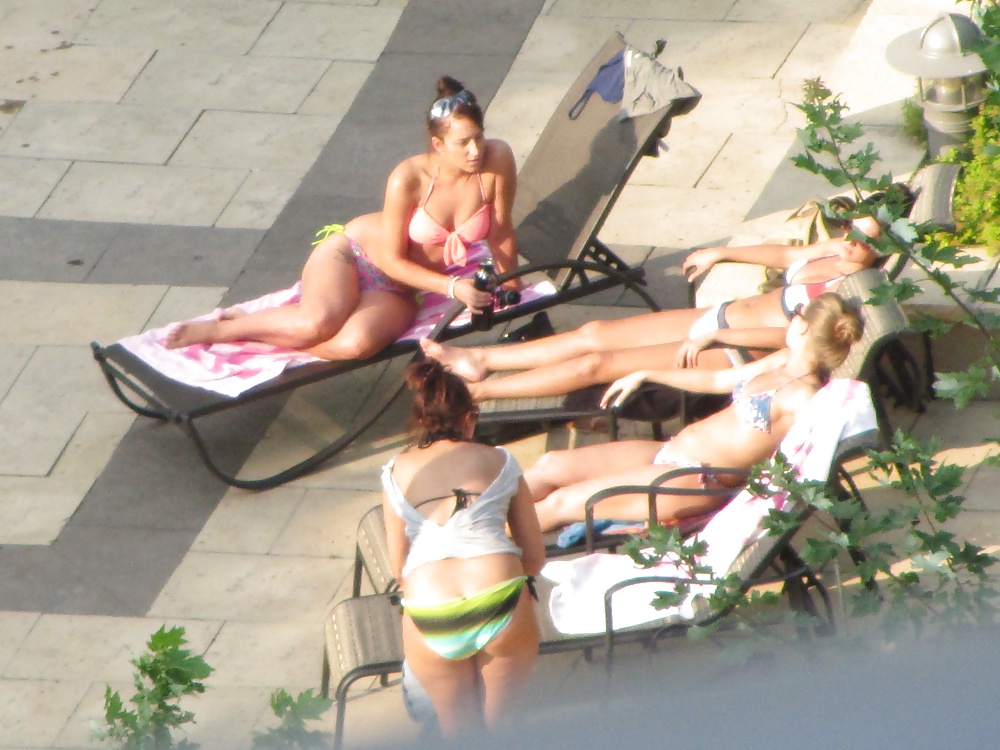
(707, 10)
(181, 303)
(338, 87)
(192, 256)
(325, 522)
(228, 82)
(30, 447)
(27, 708)
(810, 57)
(249, 588)
(33, 510)
(223, 28)
(238, 140)
(25, 184)
(248, 522)
(43, 23)
(14, 360)
(748, 160)
(143, 194)
(72, 73)
(305, 30)
(255, 654)
(259, 200)
(142, 134)
(762, 11)
(14, 628)
(41, 250)
(675, 217)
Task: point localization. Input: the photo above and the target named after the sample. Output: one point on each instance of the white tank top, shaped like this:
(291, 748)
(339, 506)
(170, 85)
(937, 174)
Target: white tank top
(474, 531)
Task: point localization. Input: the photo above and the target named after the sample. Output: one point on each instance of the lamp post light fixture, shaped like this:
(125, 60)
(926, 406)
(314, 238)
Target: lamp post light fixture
(951, 76)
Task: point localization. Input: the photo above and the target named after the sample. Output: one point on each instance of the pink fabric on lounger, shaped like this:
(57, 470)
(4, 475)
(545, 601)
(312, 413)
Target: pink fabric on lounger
(231, 369)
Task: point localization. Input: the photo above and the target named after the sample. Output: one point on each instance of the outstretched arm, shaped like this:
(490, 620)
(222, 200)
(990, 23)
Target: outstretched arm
(774, 256)
(697, 381)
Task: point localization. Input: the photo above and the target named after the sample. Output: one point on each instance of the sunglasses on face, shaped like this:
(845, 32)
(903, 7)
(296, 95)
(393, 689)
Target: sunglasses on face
(446, 105)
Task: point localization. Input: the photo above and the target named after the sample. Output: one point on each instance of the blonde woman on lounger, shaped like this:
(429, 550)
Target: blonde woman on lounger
(444, 210)
(469, 631)
(767, 397)
(602, 350)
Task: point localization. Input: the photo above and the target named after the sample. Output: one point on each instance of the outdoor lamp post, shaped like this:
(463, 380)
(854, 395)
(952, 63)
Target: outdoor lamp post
(952, 78)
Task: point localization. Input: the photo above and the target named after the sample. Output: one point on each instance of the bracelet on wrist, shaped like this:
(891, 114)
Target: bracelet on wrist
(451, 287)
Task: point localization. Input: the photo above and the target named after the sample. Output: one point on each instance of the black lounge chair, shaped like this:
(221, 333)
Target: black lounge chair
(566, 189)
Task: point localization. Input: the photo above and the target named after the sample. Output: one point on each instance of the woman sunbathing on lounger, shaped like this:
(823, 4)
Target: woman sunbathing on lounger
(602, 350)
(767, 396)
(444, 210)
(469, 630)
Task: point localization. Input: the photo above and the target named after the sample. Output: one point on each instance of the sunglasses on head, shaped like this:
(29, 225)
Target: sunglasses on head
(446, 105)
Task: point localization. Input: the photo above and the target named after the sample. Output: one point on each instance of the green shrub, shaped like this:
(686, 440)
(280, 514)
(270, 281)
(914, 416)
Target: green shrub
(976, 203)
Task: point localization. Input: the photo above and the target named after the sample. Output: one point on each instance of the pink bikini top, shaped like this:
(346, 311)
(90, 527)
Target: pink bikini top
(424, 230)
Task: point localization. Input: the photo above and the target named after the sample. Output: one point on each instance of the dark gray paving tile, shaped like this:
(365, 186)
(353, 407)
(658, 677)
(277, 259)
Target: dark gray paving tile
(49, 250)
(456, 26)
(179, 256)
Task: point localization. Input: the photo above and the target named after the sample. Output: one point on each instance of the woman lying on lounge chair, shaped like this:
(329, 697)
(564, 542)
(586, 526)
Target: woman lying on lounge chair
(444, 210)
(602, 350)
(767, 396)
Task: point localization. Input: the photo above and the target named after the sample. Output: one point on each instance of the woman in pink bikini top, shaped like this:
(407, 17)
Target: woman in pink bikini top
(444, 211)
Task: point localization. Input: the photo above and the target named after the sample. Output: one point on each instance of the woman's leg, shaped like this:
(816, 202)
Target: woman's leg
(330, 293)
(452, 686)
(474, 364)
(566, 504)
(557, 469)
(591, 369)
(379, 319)
(505, 665)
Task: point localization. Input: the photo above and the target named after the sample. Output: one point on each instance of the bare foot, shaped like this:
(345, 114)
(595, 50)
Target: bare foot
(466, 363)
(192, 332)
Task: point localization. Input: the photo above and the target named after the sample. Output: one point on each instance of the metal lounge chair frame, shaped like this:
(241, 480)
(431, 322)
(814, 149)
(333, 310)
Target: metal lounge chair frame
(566, 188)
(363, 636)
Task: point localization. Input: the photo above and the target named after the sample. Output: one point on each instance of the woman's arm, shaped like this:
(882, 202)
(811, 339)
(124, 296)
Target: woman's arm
(501, 238)
(749, 338)
(774, 256)
(525, 530)
(697, 381)
(395, 534)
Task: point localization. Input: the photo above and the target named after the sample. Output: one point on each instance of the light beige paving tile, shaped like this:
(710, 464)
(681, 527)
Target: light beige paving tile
(763, 11)
(15, 358)
(727, 105)
(14, 628)
(61, 380)
(260, 199)
(337, 89)
(33, 711)
(74, 729)
(207, 80)
(71, 73)
(248, 522)
(143, 194)
(324, 524)
(675, 217)
(305, 30)
(112, 311)
(34, 509)
(715, 50)
(747, 160)
(30, 447)
(816, 52)
(183, 302)
(249, 140)
(682, 159)
(225, 716)
(25, 184)
(707, 10)
(42, 23)
(224, 27)
(98, 131)
(254, 654)
(248, 587)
